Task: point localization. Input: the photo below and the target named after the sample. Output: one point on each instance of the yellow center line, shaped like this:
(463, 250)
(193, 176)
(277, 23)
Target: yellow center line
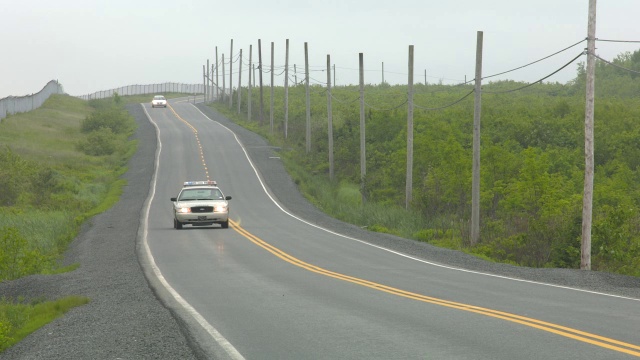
(195, 133)
(575, 334)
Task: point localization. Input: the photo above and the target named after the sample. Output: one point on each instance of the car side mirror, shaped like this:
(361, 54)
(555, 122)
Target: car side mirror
(174, 199)
(228, 198)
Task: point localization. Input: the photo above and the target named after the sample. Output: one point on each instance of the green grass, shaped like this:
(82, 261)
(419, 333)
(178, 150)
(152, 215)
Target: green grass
(17, 320)
(58, 187)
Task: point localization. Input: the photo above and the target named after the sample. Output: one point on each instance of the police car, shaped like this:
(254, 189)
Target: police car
(200, 203)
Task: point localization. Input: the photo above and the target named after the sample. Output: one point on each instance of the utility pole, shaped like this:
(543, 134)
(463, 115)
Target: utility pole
(308, 100)
(249, 92)
(261, 89)
(363, 148)
(409, 180)
(231, 76)
(204, 81)
(587, 201)
(286, 90)
(207, 89)
(329, 117)
(272, 89)
(383, 72)
(224, 85)
(239, 81)
(475, 185)
(217, 80)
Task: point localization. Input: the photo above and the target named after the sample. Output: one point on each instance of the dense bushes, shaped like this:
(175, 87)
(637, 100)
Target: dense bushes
(532, 165)
(106, 128)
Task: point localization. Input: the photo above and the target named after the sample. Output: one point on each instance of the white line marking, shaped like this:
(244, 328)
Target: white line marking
(396, 252)
(224, 343)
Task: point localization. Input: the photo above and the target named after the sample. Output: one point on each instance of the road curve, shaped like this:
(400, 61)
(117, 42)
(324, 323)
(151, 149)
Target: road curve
(266, 307)
(280, 284)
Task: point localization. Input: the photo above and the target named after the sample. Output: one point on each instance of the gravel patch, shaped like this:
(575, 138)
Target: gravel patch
(130, 317)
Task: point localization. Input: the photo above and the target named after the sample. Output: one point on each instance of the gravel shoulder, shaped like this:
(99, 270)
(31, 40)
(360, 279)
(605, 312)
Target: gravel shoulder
(130, 317)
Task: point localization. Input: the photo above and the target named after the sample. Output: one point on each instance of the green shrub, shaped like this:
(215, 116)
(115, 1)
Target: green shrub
(99, 142)
(114, 118)
(16, 259)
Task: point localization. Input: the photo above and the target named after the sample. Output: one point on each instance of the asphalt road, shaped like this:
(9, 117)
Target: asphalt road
(277, 285)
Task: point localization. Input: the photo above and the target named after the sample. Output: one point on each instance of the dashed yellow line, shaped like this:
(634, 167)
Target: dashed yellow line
(567, 332)
(195, 132)
(575, 334)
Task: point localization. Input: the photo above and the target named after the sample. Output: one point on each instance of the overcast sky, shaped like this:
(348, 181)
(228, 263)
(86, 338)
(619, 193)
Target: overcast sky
(92, 45)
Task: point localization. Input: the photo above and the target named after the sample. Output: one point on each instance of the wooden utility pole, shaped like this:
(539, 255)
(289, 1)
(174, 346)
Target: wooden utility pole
(409, 181)
(217, 82)
(261, 88)
(383, 72)
(224, 86)
(329, 117)
(475, 185)
(272, 89)
(239, 81)
(307, 96)
(587, 200)
(334, 75)
(231, 76)
(363, 148)
(207, 89)
(286, 90)
(249, 92)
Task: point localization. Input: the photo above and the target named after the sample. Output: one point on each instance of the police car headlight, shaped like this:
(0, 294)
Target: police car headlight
(184, 210)
(220, 208)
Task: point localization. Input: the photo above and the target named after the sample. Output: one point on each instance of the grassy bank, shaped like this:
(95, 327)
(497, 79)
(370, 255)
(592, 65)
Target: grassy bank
(59, 165)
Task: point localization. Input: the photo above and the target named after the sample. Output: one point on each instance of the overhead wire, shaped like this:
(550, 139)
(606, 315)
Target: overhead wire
(538, 81)
(389, 109)
(446, 106)
(616, 65)
(531, 63)
(619, 41)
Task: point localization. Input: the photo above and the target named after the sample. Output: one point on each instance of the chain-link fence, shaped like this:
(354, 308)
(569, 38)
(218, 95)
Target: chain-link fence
(18, 104)
(147, 89)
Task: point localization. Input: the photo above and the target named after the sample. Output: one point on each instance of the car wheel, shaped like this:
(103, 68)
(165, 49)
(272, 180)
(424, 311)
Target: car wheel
(177, 224)
(225, 224)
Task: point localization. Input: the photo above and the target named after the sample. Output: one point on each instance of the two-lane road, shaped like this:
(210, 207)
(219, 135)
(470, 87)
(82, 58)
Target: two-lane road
(274, 286)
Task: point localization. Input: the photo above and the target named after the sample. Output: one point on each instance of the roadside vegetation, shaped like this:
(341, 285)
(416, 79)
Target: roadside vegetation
(59, 165)
(532, 164)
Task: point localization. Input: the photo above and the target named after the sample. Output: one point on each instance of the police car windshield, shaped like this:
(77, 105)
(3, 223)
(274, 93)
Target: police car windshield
(200, 194)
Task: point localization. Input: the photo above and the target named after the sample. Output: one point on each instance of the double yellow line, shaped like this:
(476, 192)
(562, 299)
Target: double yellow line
(575, 334)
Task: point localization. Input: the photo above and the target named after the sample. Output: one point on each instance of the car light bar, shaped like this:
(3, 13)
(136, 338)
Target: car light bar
(204, 182)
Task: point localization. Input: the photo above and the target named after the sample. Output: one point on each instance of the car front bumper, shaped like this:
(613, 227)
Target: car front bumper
(202, 218)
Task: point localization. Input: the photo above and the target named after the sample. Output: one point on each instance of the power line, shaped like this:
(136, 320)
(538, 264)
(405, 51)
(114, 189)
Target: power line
(619, 41)
(531, 63)
(616, 65)
(535, 82)
(390, 109)
(446, 106)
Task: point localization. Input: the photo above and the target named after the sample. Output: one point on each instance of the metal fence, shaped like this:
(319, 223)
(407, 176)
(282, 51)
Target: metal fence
(18, 104)
(147, 89)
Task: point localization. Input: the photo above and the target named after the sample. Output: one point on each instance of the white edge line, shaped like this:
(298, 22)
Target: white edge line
(399, 253)
(221, 340)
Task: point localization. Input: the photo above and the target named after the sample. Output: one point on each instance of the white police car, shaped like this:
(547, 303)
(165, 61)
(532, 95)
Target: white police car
(200, 203)
(159, 101)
